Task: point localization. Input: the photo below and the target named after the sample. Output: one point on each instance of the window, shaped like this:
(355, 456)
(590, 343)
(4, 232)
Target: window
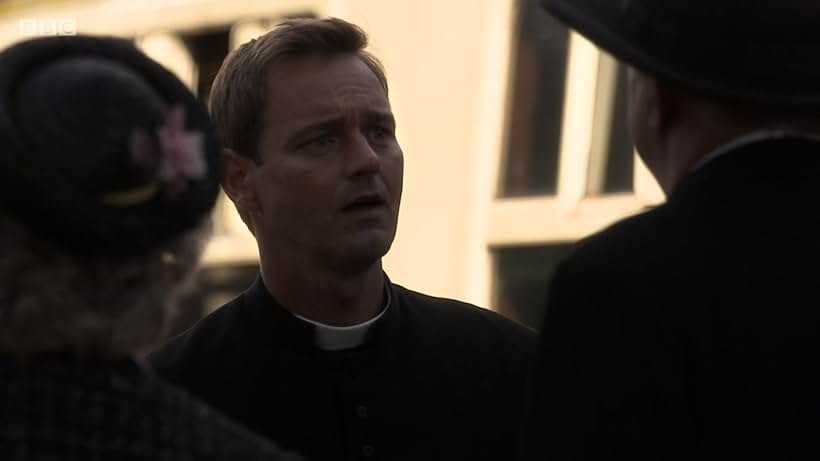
(213, 287)
(530, 165)
(522, 275)
(612, 158)
(554, 191)
(208, 48)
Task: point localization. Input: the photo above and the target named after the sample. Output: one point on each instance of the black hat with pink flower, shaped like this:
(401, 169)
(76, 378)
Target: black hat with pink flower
(104, 151)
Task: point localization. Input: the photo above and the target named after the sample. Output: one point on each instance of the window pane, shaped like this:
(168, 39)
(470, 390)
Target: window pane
(612, 156)
(530, 165)
(619, 169)
(208, 49)
(522, 276)
(212, 287)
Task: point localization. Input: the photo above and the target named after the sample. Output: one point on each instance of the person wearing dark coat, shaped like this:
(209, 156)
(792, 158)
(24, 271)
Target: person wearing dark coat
(323, 353)
(109, 170)
(690, 331)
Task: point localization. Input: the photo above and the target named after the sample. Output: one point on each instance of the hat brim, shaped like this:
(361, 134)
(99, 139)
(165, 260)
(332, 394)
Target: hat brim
(604, 31)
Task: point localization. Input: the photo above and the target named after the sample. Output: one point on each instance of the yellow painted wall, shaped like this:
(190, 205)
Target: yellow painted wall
(432, 51)
(434, 56)
(448, 67)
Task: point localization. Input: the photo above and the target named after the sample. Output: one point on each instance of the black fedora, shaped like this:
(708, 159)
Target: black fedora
(755, 51)
(91, 163)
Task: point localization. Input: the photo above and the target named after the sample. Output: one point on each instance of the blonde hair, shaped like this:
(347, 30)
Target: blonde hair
(52, 301)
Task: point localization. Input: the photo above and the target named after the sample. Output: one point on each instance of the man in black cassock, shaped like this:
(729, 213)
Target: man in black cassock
(692, 331)
(323, 354)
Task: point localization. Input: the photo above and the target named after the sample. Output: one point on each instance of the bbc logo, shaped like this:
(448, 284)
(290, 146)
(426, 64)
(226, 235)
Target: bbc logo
(47, 26)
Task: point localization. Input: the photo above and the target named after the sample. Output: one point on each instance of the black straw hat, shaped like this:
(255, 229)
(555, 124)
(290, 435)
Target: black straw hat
(755, 51)
(102, 150)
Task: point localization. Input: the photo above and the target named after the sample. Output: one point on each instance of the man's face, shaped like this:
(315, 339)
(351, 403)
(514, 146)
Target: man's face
(329, 179)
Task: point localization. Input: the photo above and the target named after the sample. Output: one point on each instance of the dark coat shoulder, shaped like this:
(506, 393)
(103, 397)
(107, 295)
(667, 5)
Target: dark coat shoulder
(467, 323)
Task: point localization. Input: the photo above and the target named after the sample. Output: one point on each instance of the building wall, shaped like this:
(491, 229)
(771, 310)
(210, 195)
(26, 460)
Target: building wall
(435, 58)
(449, 65)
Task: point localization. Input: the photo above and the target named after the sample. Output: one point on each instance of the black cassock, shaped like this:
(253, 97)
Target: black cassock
(435, 379)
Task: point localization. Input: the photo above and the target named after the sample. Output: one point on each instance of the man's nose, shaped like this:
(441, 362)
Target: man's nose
(362, 158)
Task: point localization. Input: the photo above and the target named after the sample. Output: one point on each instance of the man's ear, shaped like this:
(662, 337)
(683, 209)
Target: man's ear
(651, 97)
(667, 104)
(239, 182)
(654, 108)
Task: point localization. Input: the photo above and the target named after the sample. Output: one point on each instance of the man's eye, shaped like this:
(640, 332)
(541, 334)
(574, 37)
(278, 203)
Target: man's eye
(378, 134)
(321, 142)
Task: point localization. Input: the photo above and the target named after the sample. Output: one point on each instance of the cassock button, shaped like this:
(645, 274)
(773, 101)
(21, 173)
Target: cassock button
(361, 411)
(368, 450)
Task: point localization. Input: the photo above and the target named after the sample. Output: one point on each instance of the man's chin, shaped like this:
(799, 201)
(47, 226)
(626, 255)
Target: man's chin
(360, 254)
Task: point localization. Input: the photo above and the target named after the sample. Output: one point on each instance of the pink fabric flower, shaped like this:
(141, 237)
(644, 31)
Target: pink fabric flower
(182, 152)
(180, 156)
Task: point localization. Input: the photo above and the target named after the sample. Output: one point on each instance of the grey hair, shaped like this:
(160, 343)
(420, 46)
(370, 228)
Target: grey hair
(101, 308)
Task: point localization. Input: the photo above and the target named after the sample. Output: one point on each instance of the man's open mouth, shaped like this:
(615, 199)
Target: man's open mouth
(364, 202)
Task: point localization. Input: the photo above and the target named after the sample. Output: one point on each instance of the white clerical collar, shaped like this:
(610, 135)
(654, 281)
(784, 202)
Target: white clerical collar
(751, 138)
(333, 338)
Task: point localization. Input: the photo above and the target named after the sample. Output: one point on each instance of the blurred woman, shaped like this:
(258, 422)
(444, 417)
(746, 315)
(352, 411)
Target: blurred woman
(109, 168)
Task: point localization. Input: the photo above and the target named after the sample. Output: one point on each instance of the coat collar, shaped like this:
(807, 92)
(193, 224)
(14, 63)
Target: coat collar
(757, 165)
(266, 318)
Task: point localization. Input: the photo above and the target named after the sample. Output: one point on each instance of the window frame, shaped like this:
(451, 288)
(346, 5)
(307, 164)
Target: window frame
(572, 213)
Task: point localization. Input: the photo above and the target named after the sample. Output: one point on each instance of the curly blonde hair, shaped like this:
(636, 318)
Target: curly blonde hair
(56, 302)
